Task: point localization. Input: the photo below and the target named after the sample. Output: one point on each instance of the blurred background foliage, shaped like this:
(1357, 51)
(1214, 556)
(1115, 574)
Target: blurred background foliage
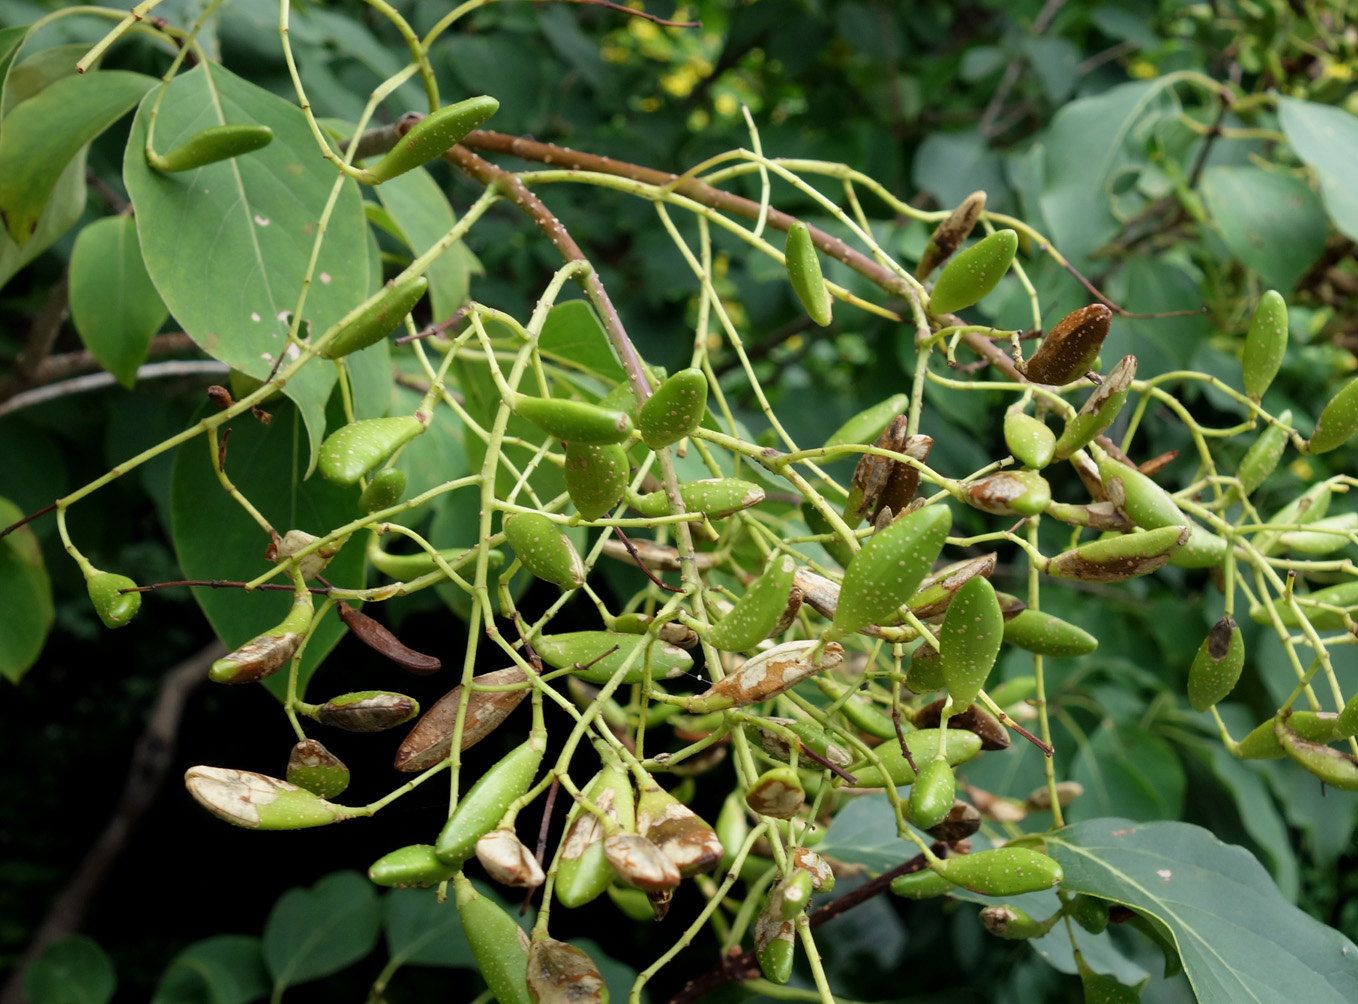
(1203, 205)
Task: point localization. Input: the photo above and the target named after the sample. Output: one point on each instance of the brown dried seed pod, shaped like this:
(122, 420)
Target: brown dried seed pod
(767, 674)
(314, 563)
(657, 557)
(367, 711)
(378, 638)
(315, 768)
(1119, 558)
(960, 823)
(507, 860)
(950, 234)
(1002, 810)
(431, 740)
(640, 863)
(1010, 606)
(1089, 475)
(937, 590)
(1096, 516)
(1071, 347)
(994, 736)
(822, 875)
(904, 481)
(673, 827)
(559, 973)
(1040, 800)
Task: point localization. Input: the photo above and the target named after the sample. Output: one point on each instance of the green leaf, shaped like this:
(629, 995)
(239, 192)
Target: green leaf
(226, 969)
(1326, 138)
(318, 931)
(44, 67)
(1272, 222)
(864, 832)
(115, 308)
(216, 539)
(26, 611)
(421, 931)
(574, 336)
(1101, 989)
(43, 134)
(227, 245)
(1128, 771)
(1088, 141)
(10, 41)
(952, 165)
(74, 970)
(63, 208)
(420, 212)
(1239, 939)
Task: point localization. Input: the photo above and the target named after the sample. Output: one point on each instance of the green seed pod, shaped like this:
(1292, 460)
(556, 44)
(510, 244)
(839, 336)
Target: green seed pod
(559, 973)
(211, 145)
(809, 736)
(1343, 596)
(973, 630)
(411, 566)
(1262, 457)
(266, 654)
(689, 843)
(413, 867)
(1216, 667)
(1308, 507)
(1029, 439)
(582, 871)
(1338, 422)
(674, 410)
(383, 491)
(803, 271)
(932, 794)
(1338, 770)
(1265, 344)
(1315, 727)
(950, 234)
(1089, 913)
(923, 884)
(431, 740)
(1014, 691)
(937, 590)
(1325, 536)
(499, 945)
(766, 675)
(861, 712)
(315, 768)
(429, 137)
(869, 423)
(777, 792)
(1070, 348)
(973, 273)
(1150, 506)
(1009, 493)
(790, 897)
(1011, 923)
(632, 902)
(1346, 724)
(596, 477)
(379, 314)
(258, 802)
(360, 447)
(890, 566)
(367, 711)
(1098, 411)
(1034, 631)
(590, 650)
(960, 747)
(544, 549)
(575, 421)
(774, 946)
(479, 810)
(1005, 871)
(115, 609)
(1120, 558)
(715, 498)
(758, 612)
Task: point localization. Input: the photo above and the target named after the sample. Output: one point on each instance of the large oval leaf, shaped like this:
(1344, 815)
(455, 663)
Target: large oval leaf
(114, 306)
(1272, 222)
(318, 931)
(1327, 139)
(226, 969)
(1239, 939)
(26, 610)
(227, 245)
(216, 539)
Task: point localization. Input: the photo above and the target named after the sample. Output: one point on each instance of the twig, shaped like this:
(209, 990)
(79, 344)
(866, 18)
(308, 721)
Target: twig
(69, 364)
(151, 758)
(632, 550)
(94, 381)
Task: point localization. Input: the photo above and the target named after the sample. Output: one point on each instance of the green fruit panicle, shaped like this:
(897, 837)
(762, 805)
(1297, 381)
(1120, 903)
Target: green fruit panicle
(972, 275)
(803, 271)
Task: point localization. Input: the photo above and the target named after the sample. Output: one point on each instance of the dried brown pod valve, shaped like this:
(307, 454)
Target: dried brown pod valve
(431, 740)
(975, 719)
(681, 835)
(559, 973)
(640, 863)
(376, 636)
(507, 860)
(1071, 347)
(367, 711)
(950, 234)
(960, 823)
